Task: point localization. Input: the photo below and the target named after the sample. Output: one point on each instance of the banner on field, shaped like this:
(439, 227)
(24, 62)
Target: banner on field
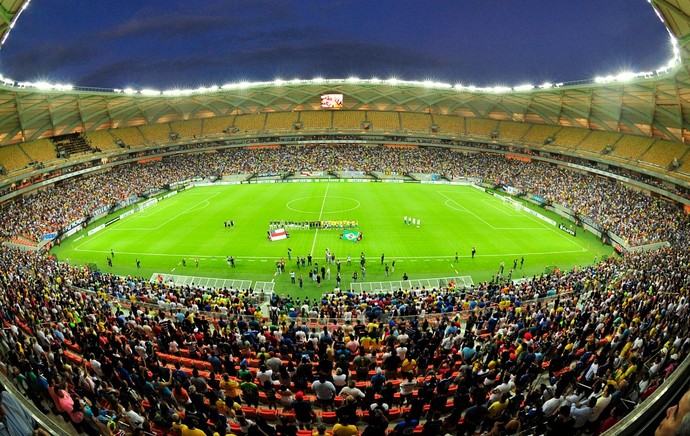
(568, 230)
(277, 234)
(351, 235)
(49, 236)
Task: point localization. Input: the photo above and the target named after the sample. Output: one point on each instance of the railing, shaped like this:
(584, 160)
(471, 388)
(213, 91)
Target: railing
(208, 282)
(644, 419)
(43, 421)
(462, 282)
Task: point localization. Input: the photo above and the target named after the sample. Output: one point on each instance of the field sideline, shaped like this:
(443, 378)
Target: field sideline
(190, 226)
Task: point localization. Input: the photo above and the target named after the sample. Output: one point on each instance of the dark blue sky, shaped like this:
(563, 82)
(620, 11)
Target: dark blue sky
(176, 43)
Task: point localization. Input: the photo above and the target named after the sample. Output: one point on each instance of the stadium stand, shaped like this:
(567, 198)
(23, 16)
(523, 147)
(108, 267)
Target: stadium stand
(281, 121)
(480, 127)
(512, 130)
(217, 125)
(449, 124)
(467, 351)
(12, 157)
(71, 144)
(539, 134)
(631, 147)
(385, 121)
(415, 122)
(156, 132)
(597, 142)
(42, 150)
(662, 153)
(348, 119)
(316, 119)
(130, 136)
(102, 140)
(250, 122)
(570, 137)
(187, 129)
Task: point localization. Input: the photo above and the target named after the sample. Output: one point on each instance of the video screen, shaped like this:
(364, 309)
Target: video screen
(332, 101)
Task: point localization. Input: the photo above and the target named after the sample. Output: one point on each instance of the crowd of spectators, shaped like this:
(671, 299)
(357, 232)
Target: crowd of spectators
(608, 203)
(564, 353)
(572, 350)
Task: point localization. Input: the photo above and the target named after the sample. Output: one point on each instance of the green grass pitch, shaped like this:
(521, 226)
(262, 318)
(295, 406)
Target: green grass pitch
(453, 219)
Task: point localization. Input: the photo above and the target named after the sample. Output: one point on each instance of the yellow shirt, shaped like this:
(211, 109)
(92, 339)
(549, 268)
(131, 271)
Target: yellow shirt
(408, 365)
(186, 431)
(344, 430)
(497, 408)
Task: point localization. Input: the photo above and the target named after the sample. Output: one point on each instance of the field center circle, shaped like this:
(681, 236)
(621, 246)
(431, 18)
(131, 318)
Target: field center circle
(355, 205)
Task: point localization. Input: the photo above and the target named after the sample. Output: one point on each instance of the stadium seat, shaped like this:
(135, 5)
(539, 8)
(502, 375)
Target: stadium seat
(329, 417)
(394, 414)
(249, 412)
(268, 414)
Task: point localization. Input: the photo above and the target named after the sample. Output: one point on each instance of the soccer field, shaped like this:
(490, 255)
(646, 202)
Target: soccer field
(190, 226)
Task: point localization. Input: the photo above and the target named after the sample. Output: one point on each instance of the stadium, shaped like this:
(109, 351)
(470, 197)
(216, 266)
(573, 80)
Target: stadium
(514, 260)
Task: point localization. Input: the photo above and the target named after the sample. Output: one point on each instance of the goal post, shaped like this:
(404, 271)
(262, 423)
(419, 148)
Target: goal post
(511, 202)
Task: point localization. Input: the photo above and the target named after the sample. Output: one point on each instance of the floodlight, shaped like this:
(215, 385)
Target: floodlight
(625, 76)
(526, 87)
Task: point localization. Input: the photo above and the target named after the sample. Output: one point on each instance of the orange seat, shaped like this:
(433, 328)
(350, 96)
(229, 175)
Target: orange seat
(249, 412)
(394, 414)
(329, 417)
(267, 414)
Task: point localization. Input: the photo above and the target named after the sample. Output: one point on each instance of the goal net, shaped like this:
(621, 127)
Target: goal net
(510, 202)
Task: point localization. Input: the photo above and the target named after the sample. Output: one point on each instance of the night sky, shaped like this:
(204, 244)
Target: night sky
(186, 44)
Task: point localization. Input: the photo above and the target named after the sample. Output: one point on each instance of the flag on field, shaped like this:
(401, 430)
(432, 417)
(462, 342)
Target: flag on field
(277, 234)
(350, 235)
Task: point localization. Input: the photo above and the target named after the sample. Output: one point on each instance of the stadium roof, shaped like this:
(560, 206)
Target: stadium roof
(653, 104)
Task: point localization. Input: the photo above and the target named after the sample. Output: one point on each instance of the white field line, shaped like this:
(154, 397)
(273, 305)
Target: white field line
(265, 259)
(116, 225)
(542, 225)
(316, 233)
(501, 209)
